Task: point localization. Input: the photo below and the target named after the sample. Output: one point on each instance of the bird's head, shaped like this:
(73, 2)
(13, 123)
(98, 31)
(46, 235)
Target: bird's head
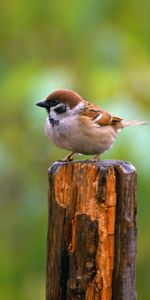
(60, 101)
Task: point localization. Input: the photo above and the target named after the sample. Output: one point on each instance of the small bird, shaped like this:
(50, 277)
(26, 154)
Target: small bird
(80, 126)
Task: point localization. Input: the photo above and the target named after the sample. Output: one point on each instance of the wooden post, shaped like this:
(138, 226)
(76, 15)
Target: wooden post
(91, 231)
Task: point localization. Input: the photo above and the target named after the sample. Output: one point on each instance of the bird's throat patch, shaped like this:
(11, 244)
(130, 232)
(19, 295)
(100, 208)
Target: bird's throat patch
(53, 122)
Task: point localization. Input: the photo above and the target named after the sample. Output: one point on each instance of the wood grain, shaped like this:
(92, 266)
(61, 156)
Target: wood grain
(91, 231)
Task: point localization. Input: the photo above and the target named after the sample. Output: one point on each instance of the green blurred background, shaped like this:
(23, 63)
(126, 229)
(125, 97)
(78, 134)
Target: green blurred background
(101, 50)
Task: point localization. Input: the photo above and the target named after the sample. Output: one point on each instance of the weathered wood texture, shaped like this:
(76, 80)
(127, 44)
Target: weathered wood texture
(91, 231)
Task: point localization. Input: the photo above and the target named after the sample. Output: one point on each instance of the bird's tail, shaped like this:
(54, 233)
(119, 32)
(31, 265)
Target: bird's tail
(133, 123)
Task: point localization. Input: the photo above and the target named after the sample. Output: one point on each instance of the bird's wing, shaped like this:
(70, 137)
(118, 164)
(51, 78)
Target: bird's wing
(99, 116)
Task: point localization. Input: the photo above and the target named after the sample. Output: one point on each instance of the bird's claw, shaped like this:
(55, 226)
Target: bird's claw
(69, 157)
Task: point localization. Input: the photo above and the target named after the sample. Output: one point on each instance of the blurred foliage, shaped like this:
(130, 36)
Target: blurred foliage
(100, 49)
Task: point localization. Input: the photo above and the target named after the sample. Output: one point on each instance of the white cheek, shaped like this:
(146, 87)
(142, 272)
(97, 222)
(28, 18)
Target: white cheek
(56, 116)
(53, 114)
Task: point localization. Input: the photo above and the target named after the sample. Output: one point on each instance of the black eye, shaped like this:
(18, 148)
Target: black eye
(53, 102)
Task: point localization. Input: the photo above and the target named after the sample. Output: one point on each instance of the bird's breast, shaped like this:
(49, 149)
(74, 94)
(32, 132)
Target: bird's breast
(72, 134)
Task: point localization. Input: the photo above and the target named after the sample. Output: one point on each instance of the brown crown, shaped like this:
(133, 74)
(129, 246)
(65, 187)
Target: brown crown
(66, 96)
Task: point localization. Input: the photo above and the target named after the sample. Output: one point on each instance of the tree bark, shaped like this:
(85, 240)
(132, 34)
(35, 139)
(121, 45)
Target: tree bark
(91, 245)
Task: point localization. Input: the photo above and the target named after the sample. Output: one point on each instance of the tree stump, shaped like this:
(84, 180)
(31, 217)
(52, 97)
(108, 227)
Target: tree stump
(92, 231)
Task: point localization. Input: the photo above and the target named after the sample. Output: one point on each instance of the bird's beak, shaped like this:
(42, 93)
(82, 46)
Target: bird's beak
(42, 103)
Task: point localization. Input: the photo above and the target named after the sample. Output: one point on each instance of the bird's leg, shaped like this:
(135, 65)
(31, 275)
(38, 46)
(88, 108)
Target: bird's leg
(96, 157)
(69, 157)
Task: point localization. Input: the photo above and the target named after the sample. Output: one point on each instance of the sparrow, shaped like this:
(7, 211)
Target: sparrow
(80, 126)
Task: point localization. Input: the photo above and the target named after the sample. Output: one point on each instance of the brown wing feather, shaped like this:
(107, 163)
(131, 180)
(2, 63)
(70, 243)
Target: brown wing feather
(100, 116)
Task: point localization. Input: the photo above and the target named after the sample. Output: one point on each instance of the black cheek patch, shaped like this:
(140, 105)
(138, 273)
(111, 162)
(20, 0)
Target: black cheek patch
(61, 109)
